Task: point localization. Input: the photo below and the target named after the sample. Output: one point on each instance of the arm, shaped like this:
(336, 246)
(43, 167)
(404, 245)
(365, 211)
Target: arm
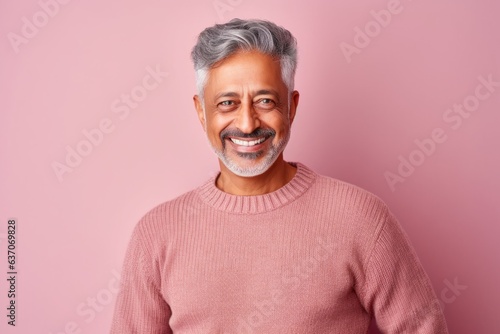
(140, 307)
(396, 289)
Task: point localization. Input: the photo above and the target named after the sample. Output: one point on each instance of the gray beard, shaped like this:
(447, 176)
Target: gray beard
(268, 160)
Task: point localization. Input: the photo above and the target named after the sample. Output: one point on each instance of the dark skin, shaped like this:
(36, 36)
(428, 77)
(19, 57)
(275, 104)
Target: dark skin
(243, 93)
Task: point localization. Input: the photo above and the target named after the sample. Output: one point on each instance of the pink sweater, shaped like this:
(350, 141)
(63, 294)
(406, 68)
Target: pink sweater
(316, 256)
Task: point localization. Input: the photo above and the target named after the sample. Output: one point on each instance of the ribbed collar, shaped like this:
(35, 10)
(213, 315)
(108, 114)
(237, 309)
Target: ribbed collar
(213, 196)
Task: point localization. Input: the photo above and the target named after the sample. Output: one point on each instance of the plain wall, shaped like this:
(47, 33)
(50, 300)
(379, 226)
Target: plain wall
(372, 107)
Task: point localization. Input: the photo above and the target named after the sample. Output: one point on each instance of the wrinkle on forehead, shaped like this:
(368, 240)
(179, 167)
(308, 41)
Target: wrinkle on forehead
(249, 71)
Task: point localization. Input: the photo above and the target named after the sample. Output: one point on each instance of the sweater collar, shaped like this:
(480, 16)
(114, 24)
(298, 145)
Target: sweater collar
(213, 196)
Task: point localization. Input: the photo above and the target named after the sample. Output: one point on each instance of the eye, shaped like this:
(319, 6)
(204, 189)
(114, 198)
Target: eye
(266, 104)
(227, 105)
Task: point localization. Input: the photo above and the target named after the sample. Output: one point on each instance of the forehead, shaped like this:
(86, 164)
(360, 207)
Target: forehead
(249, 70)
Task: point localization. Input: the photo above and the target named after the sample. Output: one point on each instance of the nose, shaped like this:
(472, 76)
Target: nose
(247, 119)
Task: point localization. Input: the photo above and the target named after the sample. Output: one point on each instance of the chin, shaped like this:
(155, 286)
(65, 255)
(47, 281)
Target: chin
(251, 169)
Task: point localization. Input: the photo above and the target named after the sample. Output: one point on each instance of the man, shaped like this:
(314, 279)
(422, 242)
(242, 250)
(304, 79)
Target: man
(267, 246)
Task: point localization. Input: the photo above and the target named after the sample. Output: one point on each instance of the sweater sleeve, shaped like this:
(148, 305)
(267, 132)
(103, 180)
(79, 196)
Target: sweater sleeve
(396, 289)
(140, 307)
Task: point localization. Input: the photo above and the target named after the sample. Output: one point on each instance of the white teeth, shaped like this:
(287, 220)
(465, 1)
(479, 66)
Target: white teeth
(247, 142)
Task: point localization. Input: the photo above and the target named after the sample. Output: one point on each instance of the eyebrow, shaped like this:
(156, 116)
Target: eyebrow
(226, 94)
(267, 92)
(259, 92)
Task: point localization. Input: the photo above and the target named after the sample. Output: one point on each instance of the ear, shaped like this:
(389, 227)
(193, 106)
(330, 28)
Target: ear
(294, 102)
(198, 105)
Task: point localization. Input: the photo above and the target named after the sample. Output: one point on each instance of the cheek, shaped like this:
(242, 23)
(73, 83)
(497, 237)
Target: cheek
(215, 125)
(279, 122)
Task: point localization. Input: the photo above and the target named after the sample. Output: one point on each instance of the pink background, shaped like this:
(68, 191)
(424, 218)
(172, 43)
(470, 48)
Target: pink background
(354, 121)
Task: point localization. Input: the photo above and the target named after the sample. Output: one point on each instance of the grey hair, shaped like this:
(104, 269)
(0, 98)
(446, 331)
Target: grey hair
(220, 41)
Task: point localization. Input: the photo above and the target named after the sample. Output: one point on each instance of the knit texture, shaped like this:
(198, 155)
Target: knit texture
(316, 256)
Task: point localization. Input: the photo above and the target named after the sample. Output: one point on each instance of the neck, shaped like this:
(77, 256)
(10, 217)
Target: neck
(279, 174)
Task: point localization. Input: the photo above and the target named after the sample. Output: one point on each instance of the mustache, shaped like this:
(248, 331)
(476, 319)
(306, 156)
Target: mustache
(257, 133)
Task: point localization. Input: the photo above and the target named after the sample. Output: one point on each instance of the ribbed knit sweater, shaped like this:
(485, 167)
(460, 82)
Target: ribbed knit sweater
(316, 256)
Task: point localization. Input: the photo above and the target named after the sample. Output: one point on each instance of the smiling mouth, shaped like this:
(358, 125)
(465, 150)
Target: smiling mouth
(248, 143)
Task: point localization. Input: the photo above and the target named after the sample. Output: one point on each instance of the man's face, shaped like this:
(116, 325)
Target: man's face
(247, 115)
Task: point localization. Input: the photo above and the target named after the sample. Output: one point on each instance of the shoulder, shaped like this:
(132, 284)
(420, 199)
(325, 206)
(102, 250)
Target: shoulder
(160, 221)
(173, 207)
(354, 201)
(351, 214)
